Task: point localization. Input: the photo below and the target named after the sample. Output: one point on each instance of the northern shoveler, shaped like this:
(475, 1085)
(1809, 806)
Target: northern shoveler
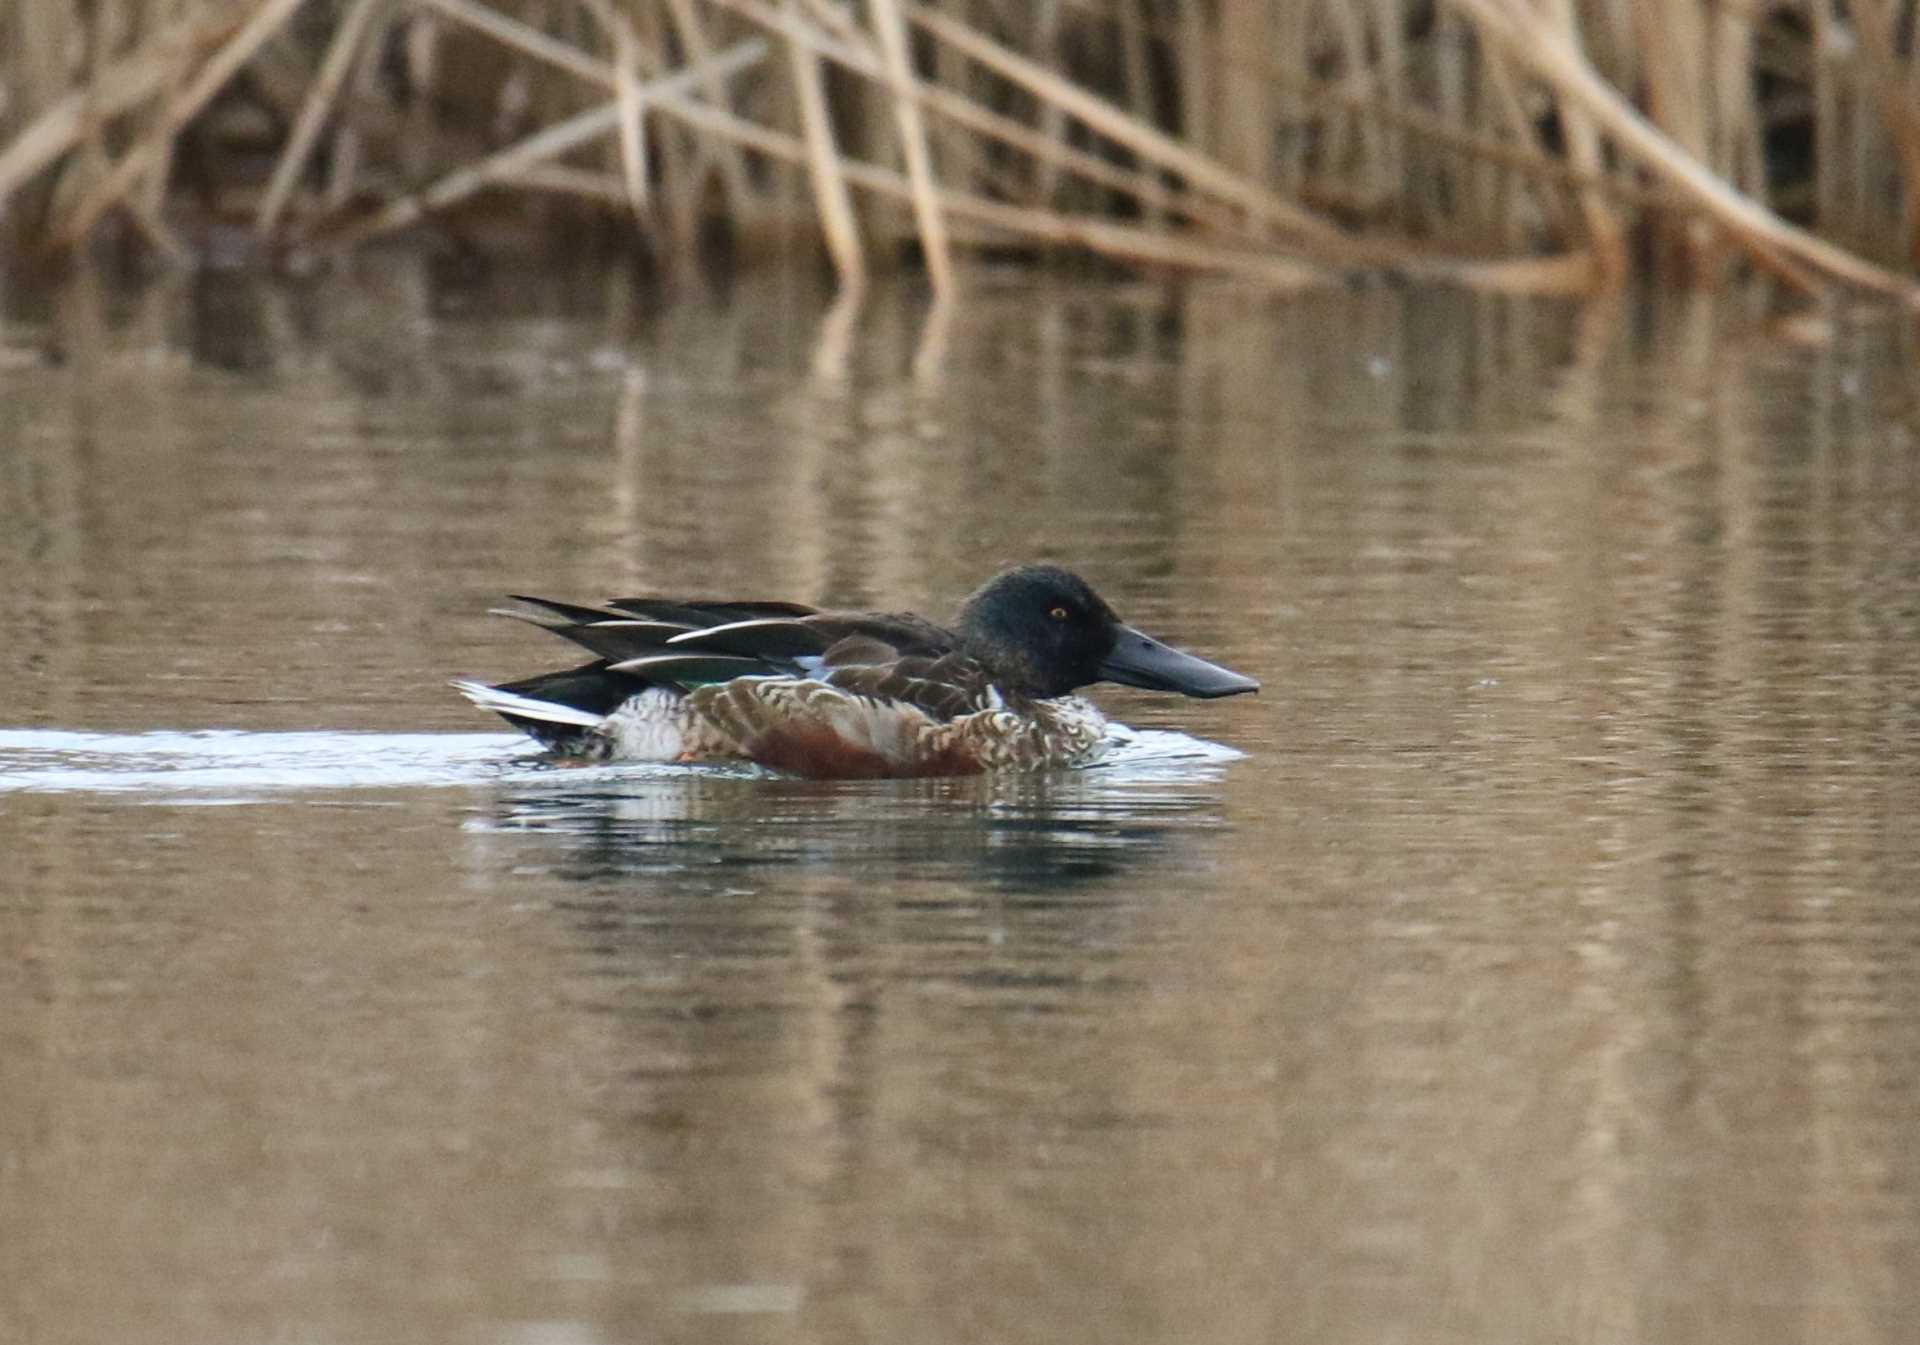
(844, 694)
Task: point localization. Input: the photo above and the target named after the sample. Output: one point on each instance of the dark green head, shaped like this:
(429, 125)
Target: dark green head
(1043, 631)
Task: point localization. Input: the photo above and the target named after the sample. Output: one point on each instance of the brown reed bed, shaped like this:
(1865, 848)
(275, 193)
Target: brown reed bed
(1536, 144)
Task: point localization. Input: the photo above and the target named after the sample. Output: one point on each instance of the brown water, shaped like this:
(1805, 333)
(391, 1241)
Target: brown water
(1547, 969)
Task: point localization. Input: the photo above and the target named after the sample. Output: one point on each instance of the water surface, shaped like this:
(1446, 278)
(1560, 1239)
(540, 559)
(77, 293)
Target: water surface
(1548, 968)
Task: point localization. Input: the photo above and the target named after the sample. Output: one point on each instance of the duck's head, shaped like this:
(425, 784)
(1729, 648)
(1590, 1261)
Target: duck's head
(1044, 631)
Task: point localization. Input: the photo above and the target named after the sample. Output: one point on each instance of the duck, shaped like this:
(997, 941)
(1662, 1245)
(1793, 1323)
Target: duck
(827, 694)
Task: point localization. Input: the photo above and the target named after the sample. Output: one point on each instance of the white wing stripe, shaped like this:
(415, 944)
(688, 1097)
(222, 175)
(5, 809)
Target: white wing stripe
(506, 702)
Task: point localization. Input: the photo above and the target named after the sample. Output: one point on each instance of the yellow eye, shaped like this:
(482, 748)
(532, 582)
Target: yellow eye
(1058, 614)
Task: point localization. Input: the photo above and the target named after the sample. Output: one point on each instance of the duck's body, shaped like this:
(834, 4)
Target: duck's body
(845, 694)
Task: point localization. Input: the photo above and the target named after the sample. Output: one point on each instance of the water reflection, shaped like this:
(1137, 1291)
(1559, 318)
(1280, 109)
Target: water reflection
(1546, 969)
(1046, 834)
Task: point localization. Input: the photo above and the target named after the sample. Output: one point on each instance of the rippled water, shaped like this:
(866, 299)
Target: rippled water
(1548, 968)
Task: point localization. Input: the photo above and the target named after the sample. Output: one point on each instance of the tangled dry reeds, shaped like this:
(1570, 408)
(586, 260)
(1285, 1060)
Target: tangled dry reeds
(1513, 143)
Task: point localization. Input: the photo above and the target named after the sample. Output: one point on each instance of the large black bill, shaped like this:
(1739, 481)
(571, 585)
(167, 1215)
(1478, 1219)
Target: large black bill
(1139, 660)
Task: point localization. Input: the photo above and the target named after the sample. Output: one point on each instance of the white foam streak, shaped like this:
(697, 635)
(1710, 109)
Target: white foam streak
(228, 766)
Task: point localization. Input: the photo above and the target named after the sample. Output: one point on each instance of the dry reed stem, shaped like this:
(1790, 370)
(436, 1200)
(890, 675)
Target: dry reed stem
(834, 340)
(1833, 118)
(538, 45)
(1133, 57)
(861, 59)
(150, 203)
(1201, 173)
(343, 165)
(142, 207)
(1427, 123)
(1123, 242)
(1119, 241)
(930, 351)
(1606, 240)
(525, 38)
(1343, 140)
(1565, 273)
(1053, 120)
(348, 41)
(530, 41)
(456, 186)
(147, 155)
(115, 89)
(632, 57)
(740, 196)
(562, 179)
(1506, 80)
(830, 196)
(1765, 234)
(610, 18)
(885, 15)
(1245, 108)
(1433, 125)
(1899, 106)
(633, 137)
(547, 144)
(1671, 38)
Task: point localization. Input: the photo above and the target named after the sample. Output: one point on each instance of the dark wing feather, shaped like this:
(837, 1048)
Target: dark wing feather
(633, 646)
(683, 668)
(611, 638)
(659, 641)
(907, 635)
(763, 637)
(590, 687)
(839, 637)
(699, 612)
(565, 611)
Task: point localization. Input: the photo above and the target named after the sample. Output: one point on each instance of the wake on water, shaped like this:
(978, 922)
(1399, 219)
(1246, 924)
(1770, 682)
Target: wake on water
(233, 766)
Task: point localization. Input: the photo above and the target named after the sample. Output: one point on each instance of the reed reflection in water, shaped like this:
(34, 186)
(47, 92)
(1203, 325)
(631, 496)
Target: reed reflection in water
(1545, 970)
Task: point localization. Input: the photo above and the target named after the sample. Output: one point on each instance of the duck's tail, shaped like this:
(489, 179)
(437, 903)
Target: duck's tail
(564, 712)
(524, 711)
